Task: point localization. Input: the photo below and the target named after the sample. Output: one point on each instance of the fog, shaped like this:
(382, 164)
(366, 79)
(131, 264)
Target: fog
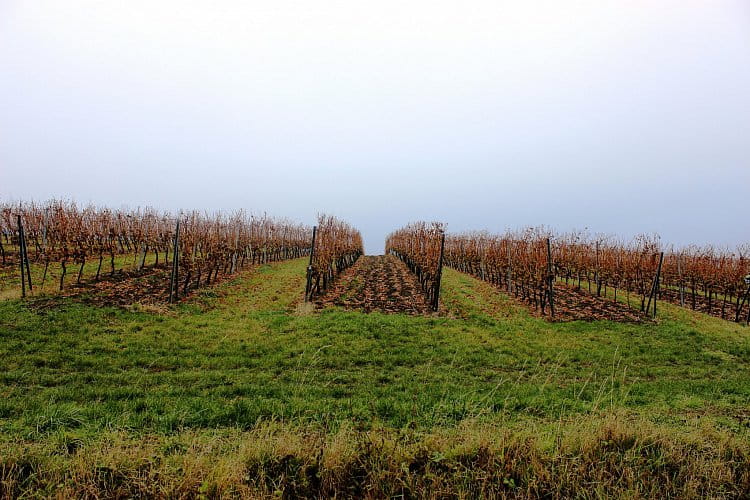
(620, 117)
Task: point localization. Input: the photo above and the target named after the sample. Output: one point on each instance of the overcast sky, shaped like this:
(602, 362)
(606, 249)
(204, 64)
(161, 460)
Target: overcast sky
(620, 116)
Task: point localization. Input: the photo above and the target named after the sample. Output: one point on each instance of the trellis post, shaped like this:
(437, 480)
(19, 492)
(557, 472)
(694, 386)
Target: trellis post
(173, 282)
(438, 278)
(510, 270)
(308, 286)
(655, 285)
(23, 256)
(551, 279)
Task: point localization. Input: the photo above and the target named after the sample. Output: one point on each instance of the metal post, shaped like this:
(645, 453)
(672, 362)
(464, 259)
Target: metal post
(658, 281)
(655, 285)
(682, 285)
(507, 279)
(308, 286)
(436, 298)
(20, 257)
(744, 299)
(312, 245)
(481, 258)
(596, 272)
(173, 284)
(551, 278)
(26, 260)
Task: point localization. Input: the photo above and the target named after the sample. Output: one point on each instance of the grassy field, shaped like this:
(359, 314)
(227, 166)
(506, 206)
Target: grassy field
(244, 391)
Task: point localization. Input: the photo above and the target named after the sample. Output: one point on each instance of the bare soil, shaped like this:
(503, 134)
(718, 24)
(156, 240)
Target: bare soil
(717, 307)
(149, 286)
(575, 304)
(377, 283)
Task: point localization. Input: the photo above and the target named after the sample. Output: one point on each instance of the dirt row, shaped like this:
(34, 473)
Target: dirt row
(716, 308)
(377, 283)
(575, 304)
(149, 286)
(383, 283)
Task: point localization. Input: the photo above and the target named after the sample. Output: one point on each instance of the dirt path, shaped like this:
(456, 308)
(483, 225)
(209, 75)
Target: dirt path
(377, 283)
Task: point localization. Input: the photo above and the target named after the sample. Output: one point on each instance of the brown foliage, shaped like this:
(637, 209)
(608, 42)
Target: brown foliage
(418, 245)
(337, 246)
(517, 261)
(62, 232)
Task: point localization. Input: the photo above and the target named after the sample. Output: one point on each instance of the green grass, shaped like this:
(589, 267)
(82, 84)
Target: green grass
(244, 355)
(250, 357)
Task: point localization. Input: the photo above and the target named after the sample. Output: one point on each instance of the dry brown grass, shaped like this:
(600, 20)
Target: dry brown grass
(606, 456)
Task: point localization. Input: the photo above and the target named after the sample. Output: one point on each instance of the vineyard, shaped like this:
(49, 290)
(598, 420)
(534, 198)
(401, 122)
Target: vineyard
(540, 268)
(336, 247)
(420, 247)
(714, 281)
(187, 251)
(177, 253)
(142, 253)
(318, 371)
(573, 276)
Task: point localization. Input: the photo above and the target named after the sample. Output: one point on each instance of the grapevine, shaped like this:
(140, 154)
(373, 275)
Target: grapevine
(63, 233)
(337, 247)
(420, 246)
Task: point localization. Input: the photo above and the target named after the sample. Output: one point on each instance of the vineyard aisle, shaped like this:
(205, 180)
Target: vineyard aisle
(378, 283)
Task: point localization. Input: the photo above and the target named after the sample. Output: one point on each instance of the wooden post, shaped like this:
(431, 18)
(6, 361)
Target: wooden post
(173, 282)
(308, 286)
(436, 298)
(551, 278)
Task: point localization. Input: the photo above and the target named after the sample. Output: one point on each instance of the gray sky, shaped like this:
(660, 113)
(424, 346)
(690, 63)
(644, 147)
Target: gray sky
(619, 116)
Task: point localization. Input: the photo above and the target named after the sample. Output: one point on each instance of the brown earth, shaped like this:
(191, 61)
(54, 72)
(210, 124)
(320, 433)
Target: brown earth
(377, 283)
(701, 304)
(573, 304)
(149, 286)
